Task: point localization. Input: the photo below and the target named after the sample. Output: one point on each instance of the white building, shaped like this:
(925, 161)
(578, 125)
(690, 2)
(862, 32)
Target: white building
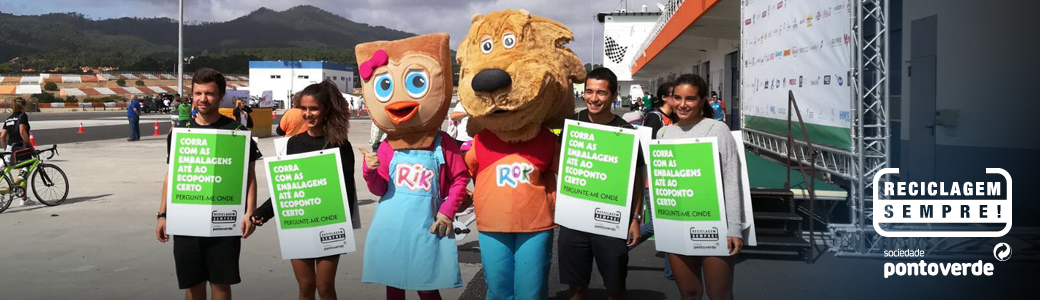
(284, 78)
(623, 33)
(691, 39)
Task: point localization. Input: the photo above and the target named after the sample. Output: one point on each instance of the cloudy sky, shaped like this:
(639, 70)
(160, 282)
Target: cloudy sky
(417, 16)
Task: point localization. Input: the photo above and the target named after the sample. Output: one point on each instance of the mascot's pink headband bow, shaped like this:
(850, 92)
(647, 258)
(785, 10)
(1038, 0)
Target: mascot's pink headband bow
(378, 59)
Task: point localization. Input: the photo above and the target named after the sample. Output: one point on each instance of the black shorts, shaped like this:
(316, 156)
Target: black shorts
(200, 259)
(578, 249)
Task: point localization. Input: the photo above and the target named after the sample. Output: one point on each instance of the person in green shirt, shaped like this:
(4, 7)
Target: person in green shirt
(648, 103)
(183, 111)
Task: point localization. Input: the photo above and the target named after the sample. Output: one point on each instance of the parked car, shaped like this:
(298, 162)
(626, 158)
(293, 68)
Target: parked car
(151, 104)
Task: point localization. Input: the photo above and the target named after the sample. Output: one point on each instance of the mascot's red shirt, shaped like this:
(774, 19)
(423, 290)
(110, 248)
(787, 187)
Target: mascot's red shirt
(515, 183)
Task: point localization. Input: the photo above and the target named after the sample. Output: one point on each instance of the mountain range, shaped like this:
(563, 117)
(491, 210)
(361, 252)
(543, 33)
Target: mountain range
(71, 42)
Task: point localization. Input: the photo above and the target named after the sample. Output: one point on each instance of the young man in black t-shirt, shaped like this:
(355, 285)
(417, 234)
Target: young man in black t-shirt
(209, 259)
(578, 249)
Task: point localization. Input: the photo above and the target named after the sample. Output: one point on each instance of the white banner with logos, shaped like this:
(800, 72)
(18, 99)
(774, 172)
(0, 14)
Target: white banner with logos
(803, 47)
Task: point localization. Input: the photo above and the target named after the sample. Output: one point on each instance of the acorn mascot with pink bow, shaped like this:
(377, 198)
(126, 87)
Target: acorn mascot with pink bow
(418, 172)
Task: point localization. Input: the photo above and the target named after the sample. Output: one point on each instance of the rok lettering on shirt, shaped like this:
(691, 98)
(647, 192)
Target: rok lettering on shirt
(513, 174)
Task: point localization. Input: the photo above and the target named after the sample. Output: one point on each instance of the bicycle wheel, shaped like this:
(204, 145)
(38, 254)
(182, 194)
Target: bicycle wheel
(7, 196)
(50, 185)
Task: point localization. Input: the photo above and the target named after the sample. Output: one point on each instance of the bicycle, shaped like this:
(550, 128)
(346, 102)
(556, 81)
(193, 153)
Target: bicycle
(50, 186)
(459, 225)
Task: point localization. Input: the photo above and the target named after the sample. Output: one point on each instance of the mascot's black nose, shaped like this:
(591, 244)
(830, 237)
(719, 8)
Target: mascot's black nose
(491, 80)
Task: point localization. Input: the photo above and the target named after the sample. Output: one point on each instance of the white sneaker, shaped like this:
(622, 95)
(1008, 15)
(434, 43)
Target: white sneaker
(27, 202)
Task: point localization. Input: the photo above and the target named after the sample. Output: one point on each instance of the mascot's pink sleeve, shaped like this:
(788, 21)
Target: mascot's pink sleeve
(454, 174)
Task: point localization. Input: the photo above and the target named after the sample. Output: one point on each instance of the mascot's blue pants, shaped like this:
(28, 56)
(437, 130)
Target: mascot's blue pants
(516, 265)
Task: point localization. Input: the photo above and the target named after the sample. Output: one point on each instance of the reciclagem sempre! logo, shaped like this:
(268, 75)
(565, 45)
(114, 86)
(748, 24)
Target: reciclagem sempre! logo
(969, 202)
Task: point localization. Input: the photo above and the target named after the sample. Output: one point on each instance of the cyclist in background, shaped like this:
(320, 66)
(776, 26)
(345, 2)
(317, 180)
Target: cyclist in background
(15, 136)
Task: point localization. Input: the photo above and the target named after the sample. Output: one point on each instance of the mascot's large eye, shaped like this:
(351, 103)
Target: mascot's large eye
(509, 40)
(486, 46)
(384, 87)
(416, 83)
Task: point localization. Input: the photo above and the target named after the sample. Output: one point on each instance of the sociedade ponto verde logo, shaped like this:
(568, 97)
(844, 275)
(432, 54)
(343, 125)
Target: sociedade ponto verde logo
(969, 202)
(1002, 251)
(223, 220)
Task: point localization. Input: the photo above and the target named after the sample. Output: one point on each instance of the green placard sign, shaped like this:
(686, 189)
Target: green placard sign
(596, 165)
(307, 190)
(208, 167)
(683, 182)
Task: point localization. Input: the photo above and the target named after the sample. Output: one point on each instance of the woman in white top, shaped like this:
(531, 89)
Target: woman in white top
(695, 120)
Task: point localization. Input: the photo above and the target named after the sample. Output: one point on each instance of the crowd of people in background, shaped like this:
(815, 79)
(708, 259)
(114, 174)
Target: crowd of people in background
(646, 106)
(181, 111)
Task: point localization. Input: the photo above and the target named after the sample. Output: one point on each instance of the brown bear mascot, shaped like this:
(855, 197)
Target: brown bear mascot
(515, 83)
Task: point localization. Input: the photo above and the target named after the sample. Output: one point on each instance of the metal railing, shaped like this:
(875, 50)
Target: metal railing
(810, 180)
(836, 162)
(869, 132)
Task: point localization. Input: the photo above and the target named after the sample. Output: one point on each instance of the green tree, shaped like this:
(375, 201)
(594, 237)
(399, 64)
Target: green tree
(121, 82)
(50, 86)
(139, 83)
(45, 98)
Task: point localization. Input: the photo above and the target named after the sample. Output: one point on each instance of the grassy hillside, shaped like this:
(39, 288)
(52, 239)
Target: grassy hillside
(68, 41)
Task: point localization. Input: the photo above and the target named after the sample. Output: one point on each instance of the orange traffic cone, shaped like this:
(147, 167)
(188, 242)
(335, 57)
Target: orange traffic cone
(32, 140)
(80, 127)
(156, 127)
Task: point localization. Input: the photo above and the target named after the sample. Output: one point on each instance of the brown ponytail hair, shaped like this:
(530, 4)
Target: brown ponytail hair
(335, 118)
(18, 105)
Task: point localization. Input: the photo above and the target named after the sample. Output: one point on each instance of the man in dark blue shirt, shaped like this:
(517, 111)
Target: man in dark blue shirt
(133, 112)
